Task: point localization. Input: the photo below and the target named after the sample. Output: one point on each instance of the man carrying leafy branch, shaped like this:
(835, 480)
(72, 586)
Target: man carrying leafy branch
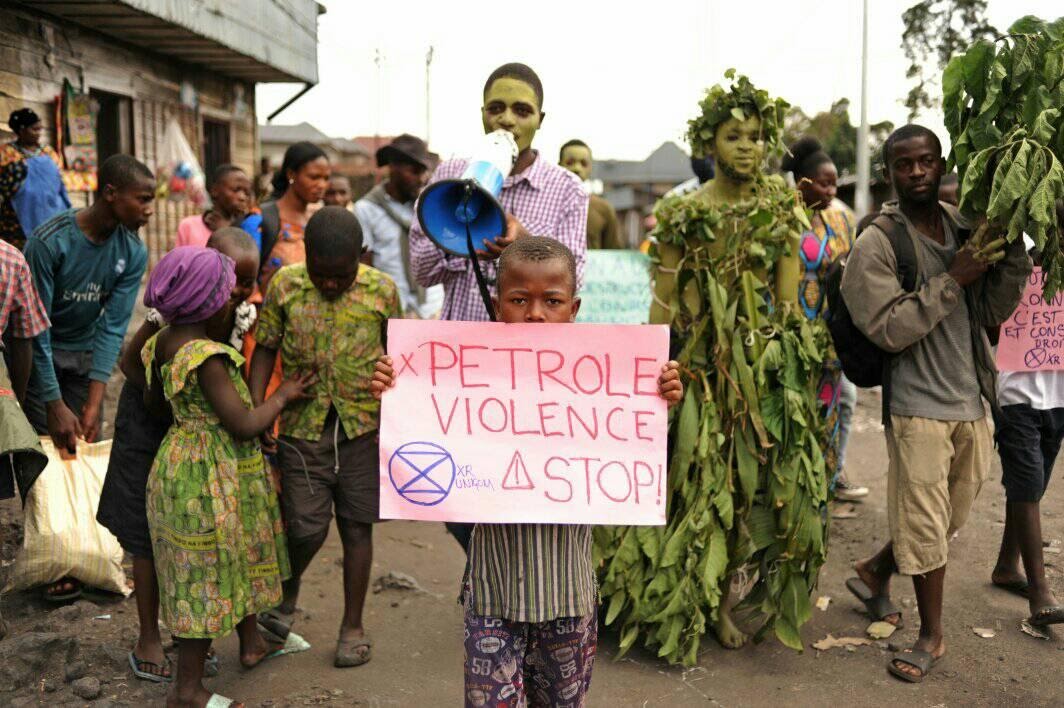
(748, 482)
(937, 435)
(1002, 104)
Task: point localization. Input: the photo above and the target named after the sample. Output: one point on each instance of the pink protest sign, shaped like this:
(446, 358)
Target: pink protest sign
(518, 423)
(1032, 339)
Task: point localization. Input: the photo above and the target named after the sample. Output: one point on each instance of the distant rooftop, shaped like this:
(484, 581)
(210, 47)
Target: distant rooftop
(292, 134)
(305, 132)
(668, 164)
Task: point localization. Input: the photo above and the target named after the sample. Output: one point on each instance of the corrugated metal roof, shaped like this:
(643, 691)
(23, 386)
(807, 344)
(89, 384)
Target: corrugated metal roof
(254, 40)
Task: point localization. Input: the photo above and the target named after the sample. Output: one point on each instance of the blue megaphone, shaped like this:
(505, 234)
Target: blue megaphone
(453, 212)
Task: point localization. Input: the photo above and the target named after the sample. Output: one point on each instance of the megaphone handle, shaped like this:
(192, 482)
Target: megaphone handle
(482, 283)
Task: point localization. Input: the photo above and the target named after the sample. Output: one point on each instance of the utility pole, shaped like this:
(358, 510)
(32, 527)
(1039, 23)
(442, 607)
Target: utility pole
(378, 59)
(428, 94)
(862, 194)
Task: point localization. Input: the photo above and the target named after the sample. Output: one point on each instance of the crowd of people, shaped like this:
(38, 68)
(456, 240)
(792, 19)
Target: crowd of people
(249, 414)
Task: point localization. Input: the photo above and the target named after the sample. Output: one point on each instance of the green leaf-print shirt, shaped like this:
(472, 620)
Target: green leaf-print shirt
(341, 340)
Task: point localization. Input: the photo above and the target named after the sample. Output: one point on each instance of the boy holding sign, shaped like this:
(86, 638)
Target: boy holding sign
(531, 623)
(328, 315)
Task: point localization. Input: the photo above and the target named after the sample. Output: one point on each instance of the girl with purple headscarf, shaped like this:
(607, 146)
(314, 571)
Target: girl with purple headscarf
(215, 521)
(138, 435)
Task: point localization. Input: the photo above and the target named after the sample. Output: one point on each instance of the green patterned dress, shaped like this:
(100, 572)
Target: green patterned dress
(215, 522)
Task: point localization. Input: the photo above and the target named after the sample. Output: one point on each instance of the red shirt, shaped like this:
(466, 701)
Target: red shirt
(20, 308)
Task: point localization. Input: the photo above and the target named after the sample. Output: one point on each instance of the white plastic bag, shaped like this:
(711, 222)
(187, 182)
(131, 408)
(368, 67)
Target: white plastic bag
(179, 175)
(61, 537)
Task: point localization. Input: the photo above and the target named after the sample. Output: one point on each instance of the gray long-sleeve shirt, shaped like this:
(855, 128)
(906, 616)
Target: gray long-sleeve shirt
(941, 366)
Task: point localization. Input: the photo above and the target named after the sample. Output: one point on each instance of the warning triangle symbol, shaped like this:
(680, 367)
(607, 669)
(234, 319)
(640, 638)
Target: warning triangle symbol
(517, 475)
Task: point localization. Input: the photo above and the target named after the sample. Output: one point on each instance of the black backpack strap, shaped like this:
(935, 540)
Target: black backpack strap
(905, 255)
(271, 226)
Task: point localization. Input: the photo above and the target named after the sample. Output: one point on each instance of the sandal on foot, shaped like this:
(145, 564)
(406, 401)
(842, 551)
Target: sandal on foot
(1047, 616)
(347, 653)
(878, 607)
(1016, 587)
(219, 701)
(916, 658)
(135, 664)
(72, 594)
(292, 644)
(274, 625)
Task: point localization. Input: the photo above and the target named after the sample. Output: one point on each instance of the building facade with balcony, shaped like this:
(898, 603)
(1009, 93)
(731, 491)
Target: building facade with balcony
(143, 62)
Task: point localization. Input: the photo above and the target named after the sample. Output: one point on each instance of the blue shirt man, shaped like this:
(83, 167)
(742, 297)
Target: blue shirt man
(87, 265)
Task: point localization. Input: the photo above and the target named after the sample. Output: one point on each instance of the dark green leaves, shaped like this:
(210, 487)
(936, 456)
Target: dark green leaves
(747, 479)
(1002, 104)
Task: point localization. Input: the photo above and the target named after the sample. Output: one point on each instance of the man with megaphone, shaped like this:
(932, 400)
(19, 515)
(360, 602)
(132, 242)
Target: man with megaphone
(537, 198)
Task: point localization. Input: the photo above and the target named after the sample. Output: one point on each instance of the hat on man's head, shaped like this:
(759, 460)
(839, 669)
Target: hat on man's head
(406, 148)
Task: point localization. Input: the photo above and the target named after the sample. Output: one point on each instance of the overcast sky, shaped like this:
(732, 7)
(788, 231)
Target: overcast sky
(623, 76)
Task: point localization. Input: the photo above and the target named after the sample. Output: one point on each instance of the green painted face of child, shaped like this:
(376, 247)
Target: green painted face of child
(738, 148)
(511, 105)
(577, 159)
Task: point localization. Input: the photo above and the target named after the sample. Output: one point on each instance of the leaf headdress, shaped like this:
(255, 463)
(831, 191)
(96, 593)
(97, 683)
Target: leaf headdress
(740, 100)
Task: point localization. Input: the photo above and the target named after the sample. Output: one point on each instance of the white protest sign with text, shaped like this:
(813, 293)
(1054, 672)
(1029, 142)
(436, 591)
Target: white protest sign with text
(520, 423)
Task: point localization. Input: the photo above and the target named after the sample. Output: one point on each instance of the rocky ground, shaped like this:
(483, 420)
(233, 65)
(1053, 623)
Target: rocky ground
(76, 655)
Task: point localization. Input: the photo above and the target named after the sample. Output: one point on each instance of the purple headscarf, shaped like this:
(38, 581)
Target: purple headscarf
(190, 284)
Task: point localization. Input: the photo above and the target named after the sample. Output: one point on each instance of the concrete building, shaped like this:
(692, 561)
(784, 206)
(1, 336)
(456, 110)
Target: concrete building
(145, 61)
(633, 187)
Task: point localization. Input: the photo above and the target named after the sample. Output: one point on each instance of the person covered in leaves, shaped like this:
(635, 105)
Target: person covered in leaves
(938, 440)
(825, 243)
(748, 482)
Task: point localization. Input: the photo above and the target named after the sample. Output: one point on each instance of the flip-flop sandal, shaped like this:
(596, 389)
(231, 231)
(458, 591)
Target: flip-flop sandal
(1016, 587)
(73, 594)
(274, 625)
(219, 701)
(135, 664)
(878, 607)
(1047, 616)
(292, 644)
(916, 658)
(347, 653)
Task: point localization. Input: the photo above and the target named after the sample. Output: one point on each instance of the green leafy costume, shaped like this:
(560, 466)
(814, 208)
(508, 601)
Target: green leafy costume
(748, 483)
(215, 521)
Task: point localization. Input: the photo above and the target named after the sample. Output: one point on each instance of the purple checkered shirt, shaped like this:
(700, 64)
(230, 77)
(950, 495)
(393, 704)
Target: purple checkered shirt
(546, 199)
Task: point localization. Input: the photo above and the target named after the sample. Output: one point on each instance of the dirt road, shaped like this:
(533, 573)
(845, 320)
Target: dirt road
(417, 657)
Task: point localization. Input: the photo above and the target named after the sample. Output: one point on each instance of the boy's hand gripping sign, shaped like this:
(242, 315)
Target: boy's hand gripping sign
(516, 423)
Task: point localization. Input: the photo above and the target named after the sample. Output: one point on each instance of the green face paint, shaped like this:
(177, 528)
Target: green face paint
(577, 159)
(511, 105)
(738, 148)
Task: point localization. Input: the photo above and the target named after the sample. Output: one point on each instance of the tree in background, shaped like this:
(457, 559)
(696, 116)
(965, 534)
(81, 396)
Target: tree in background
(936, 30)
(835, 132)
